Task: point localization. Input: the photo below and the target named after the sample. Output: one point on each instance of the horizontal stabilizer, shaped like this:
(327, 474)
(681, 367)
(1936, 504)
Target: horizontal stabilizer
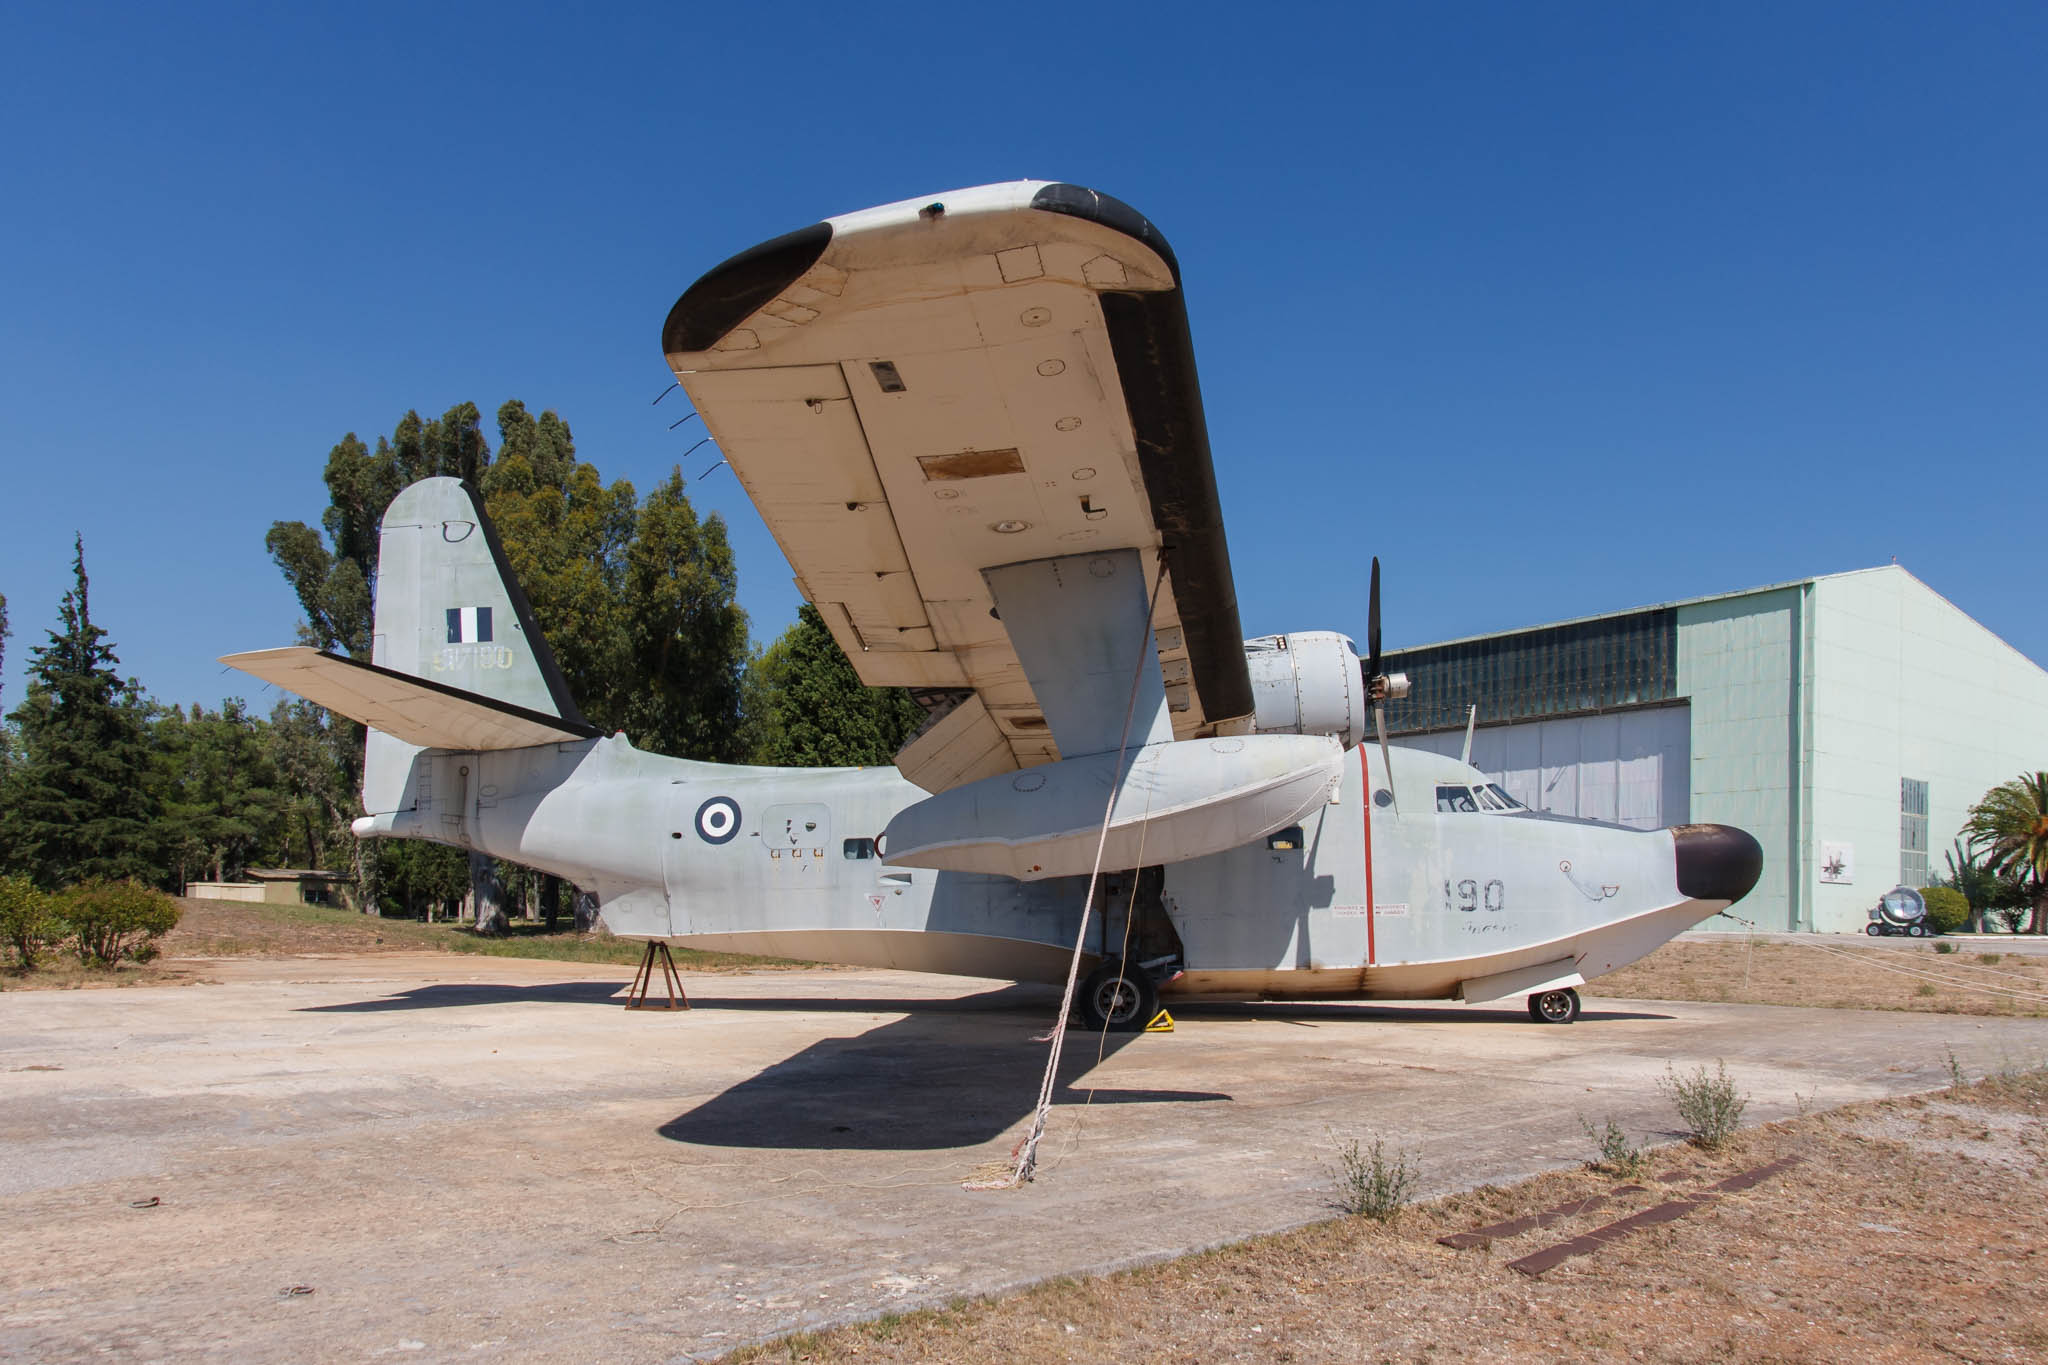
(415, 710)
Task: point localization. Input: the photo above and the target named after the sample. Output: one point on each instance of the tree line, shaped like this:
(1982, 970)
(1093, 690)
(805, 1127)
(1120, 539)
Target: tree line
(636, 595)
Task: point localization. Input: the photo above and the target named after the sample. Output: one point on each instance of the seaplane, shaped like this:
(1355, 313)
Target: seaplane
(973, 425)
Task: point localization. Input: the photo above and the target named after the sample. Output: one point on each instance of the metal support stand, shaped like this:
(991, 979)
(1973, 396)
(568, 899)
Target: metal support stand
(636, 994)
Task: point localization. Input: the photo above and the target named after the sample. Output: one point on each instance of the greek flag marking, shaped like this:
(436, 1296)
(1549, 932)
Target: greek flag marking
(469, 625)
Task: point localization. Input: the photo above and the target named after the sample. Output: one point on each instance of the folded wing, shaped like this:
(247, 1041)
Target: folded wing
(918, 395)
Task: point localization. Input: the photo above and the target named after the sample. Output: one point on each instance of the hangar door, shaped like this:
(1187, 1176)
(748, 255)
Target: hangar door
(1627, 767)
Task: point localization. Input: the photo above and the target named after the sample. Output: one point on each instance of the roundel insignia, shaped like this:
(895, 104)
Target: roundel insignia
(718, 819)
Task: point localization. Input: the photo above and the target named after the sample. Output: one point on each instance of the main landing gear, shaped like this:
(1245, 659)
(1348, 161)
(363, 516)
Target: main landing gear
(1119, 998)
(1554, 1007)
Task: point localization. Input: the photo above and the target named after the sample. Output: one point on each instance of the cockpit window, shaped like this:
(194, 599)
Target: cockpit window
(1502, 793)
(1455, 800)
(1488, 799)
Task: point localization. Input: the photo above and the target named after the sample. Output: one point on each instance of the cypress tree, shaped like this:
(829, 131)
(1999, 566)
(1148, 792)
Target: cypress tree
(78, 801)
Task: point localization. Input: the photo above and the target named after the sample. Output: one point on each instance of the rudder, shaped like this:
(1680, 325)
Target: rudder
(449, 610)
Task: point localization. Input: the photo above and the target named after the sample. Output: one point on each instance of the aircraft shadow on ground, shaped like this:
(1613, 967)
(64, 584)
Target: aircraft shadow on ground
(455, 995)
(1347, 1012)
(929, 1080)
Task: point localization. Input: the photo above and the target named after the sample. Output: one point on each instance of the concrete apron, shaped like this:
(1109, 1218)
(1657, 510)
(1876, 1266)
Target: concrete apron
(490, 1159)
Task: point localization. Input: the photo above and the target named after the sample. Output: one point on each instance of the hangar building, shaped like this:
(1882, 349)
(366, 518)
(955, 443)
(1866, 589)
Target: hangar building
(1848, 721)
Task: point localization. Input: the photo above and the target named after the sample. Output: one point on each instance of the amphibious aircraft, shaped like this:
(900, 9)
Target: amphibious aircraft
(973, 425)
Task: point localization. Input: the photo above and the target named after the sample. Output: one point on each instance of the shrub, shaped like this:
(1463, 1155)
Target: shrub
(1618, 1155)
(113, 919)
(1948, 910)
(1371, 1182)
(27, 922)
(1707, 1105)
(1944, 947)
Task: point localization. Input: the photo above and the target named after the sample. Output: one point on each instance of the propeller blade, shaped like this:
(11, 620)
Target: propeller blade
(1379, 720)
(1372, 624)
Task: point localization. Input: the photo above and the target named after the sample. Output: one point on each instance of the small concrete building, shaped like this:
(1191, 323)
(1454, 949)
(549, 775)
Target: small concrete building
(1847, 721)
(279, 886)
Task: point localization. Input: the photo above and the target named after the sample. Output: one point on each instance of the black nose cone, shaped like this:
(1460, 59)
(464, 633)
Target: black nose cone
(1716, 862)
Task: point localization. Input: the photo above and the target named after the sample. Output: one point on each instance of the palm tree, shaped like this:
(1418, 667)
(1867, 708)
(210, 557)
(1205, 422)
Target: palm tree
(2010, 827)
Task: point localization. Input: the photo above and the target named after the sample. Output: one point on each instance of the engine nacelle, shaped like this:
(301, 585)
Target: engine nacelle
(1308, 683)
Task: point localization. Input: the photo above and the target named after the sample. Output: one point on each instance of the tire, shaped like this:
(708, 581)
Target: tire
(1554, 1007)
(1917, 930)
(1874, 929)
(1118, 999)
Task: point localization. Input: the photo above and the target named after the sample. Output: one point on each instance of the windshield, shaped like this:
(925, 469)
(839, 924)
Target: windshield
(1455, 800)
(1502, 793)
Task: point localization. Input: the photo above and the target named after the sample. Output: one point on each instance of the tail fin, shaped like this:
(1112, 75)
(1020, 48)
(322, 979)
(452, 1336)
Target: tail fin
(450, 612)
(449, 609)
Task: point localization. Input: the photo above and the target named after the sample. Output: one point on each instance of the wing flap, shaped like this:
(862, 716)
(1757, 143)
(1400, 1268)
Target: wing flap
(408, 708)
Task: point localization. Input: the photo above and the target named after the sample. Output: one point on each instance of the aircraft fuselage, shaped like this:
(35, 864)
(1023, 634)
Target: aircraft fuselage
(1377, 894)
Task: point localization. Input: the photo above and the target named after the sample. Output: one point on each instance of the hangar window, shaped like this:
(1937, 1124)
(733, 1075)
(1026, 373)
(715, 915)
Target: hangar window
(858, 850)
(1912, 832)
(1455, 800)
(1562, 670)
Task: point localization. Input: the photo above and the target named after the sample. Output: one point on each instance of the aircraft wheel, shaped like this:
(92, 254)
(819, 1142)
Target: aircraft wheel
(1120, 999)
(1554, 1007)
(1874, 929)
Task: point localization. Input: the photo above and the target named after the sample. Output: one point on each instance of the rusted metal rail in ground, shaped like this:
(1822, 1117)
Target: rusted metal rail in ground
(1550, 1257)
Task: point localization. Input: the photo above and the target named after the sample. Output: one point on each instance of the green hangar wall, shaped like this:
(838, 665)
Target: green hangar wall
(1847, 721)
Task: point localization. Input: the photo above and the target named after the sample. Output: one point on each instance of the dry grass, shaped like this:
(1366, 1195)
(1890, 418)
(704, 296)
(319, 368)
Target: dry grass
(1910, 1232)
(209, 929)
(1963, 982)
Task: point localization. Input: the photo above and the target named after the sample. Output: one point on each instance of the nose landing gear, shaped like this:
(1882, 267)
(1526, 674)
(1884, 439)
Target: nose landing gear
(1554, 1007)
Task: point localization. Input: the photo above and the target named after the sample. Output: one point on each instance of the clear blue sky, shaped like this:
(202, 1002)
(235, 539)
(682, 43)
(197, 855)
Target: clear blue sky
(1557, 308)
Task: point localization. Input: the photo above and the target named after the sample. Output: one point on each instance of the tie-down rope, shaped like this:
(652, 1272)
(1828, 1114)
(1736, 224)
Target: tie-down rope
(1027, 1150)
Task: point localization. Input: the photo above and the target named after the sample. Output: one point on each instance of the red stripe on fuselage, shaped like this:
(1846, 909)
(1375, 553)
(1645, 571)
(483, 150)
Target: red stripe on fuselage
(1365, 799)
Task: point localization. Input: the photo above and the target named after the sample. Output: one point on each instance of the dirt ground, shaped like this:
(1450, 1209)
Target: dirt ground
(1908, 1230)
(210, 929)
(1971, 980)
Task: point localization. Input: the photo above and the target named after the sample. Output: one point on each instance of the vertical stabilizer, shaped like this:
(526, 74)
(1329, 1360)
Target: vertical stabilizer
(450, 611)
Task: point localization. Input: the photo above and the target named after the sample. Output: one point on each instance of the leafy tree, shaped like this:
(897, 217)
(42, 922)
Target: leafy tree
(565, 533)
(686, 637)
(420, 875)
(218, 801)
(2009, 826)
(812, 709)
(4, 632)
(116, 919)
(77, 801)
(314, 805)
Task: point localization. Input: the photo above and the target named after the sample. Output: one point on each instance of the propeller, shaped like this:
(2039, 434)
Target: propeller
(1380, 686)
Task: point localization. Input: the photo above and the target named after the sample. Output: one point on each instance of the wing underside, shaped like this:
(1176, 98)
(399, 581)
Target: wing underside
(918, 395)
